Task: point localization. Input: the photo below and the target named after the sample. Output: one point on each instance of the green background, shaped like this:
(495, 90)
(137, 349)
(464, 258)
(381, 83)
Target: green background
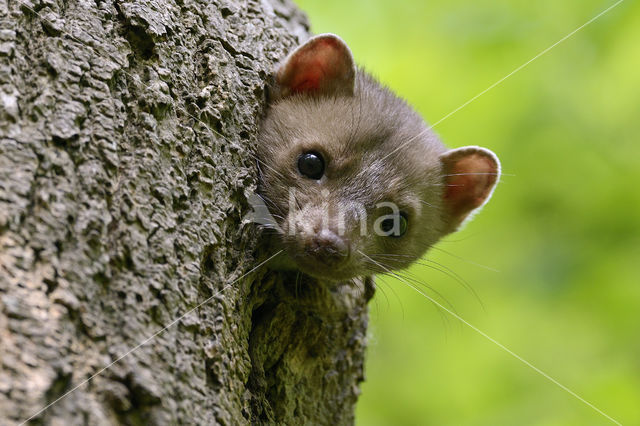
(563, 227)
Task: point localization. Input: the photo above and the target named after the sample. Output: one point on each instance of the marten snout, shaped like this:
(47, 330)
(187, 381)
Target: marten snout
(327, 247)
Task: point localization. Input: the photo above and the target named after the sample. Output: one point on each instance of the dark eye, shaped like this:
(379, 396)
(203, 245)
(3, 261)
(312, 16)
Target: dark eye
(311, 165)
(387, 225)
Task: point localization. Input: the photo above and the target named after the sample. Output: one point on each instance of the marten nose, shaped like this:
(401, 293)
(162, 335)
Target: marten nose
(328, 247)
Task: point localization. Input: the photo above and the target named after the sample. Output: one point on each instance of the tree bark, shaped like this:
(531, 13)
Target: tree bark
(127, 132)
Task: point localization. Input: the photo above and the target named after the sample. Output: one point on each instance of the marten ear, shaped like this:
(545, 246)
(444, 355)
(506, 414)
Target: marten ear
(469, 175)
(322, 65)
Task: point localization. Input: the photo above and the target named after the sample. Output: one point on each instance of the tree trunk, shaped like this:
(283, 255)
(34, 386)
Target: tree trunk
(127, 132)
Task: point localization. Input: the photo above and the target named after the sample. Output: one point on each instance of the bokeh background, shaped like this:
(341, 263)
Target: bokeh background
(555, 256)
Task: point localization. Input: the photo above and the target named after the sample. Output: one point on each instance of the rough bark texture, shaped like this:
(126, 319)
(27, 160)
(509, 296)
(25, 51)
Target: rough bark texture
(126, 137)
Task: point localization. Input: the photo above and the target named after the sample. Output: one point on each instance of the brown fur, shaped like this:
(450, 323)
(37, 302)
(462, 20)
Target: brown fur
(376, 148)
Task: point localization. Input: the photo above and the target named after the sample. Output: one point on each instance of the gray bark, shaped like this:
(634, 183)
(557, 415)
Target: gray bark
(126, 137)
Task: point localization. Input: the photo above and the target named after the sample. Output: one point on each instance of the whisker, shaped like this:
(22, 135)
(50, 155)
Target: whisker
(382, 281)
(407, 275)
(440, 268)
(428, 204)
(466, 237)
(446, 322)
(409, 279)
(264, 164)
(398, 298)
(479, 173)
(466, 260)
(386, 297)
(375, 300)
(268, 201)
(455, 276)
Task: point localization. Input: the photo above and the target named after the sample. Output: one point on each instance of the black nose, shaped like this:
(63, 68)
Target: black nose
(328, 247)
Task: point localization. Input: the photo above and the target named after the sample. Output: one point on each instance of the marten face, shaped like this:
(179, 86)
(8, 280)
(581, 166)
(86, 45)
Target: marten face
(352, 175)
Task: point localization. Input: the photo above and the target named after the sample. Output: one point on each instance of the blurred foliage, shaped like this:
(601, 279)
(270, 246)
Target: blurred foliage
(563, 228)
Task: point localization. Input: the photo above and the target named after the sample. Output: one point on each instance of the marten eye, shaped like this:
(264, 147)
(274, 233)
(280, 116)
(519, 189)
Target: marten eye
(311, 165)
(388, 225)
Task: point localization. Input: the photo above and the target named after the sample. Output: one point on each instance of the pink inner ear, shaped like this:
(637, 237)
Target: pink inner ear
(324, 63)
(308, 70)
(470, 177)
